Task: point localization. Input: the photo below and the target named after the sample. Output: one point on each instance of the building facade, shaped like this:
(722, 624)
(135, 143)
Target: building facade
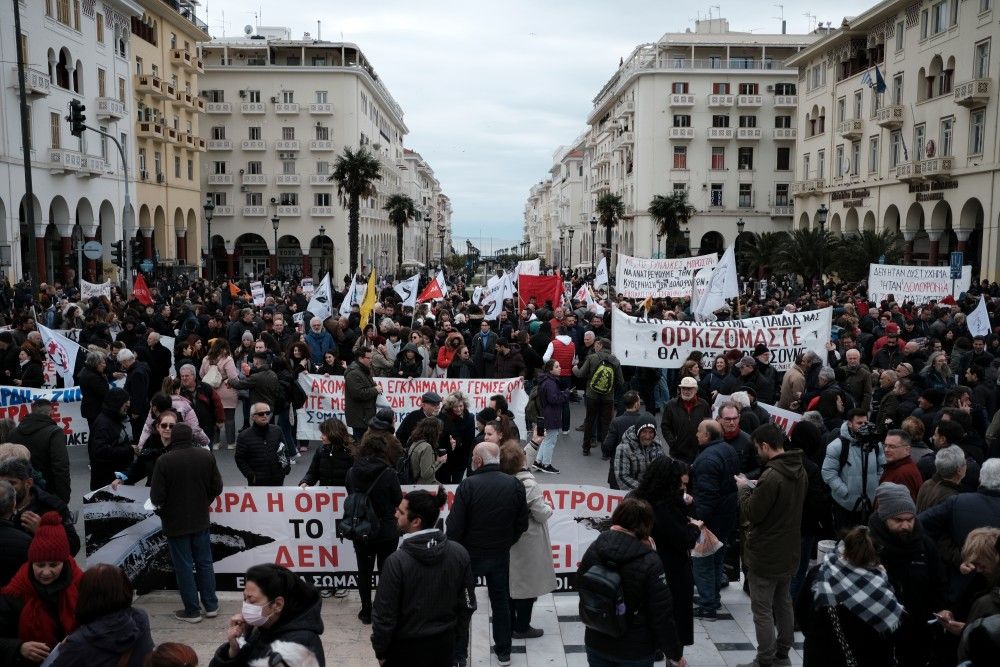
(278, 112)
(427, 240)
(558, 211)
(919, 158)
(168, 146)
(73, 50)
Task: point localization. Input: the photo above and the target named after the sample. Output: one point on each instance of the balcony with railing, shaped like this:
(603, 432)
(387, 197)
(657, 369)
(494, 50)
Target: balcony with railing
(200, 144)
(908, 172)
(147, 84)
(219, 145)
(321, 211)
(254, 212)
(749, 100)
(721, 100)
(252, 108)
(936, 167)
(286, 108)
(321, 108)
(287, 179)
(170, 92)
(187, 60)
(151, 130)
(782, 209)
(681, 100)
(623, 140)
(851, 128)
(36, 82)
(890, 117)
(626, 108)
(720, 133)
(173, 136)
(220, 179)
(748, 133)
(254, 145)
(786, 101)
(108, 108)
(973, 93)
(254, 179)
(218, 107)
(289, 211)
(680, 133)
(286, 145)
(223, 211)
(785, 133)
(62, 161)
(319, 145)
(319, 179)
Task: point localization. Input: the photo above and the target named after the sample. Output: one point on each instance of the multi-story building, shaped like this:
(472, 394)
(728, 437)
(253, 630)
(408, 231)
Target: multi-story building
(423, 188)
(168, 142)
(711, 112)
(73, 50)
(278, 112)
(919, 158)
(558, 211)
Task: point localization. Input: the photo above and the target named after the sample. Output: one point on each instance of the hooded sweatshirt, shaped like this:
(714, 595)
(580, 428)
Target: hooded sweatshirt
(773, 510)
(103, 642)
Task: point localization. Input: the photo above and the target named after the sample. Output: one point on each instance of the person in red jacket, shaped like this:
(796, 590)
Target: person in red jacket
(899, 467)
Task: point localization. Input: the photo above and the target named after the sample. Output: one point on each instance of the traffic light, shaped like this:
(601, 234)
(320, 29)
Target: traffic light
(118, 253)
(136, 249)
(76, 118)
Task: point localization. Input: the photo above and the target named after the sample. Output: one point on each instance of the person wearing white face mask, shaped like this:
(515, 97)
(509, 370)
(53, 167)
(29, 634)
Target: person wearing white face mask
(278, 609)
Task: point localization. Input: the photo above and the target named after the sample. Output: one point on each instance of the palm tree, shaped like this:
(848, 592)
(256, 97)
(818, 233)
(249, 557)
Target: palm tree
(355, 173)
(610, 209)
(868, 247)
(760, 253)
(670, 212)
(401, 210)
(806, 251)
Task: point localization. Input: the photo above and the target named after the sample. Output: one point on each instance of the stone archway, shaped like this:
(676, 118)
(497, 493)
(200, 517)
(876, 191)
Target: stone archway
(869, 224)
(289, 255)
(252, 256)
(836, 226)
(321, 256)
(851, 226)
(712, 242)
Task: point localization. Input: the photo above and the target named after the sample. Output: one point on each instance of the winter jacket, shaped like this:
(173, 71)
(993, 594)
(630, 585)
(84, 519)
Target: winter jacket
(303, 628)
(621, 424)
(207, 407)
(592, 363)
(846, 484)
(773, 511)
(742, 444)
(264, 387)
(137, 384)
(551, 399)
(511, 364)
(319, 344)
(675, 536)
(935, 491)
(647, 599)
(329, 466)
(185, 481)
(972, 468)
(47, 443)
(408, 368)
(858, 383)
(765, 380)
(484, 353)
(489, 513)
(532, 573)
(158, 358)
(41, 502)
(227, 369)
(360, 391)
(409, 423)
(423, 462)
(93, 388)
(425, 588)
(373, 476)
(182, 407)
(632, 459)
(13, 549)
(960, 514)
(103, 642)
(31, 375)
(463, 429)
(792, 385)
(714, 381)
(679, 425)
(903, 471)
(256, 455)
(109, 445)
(714, 488)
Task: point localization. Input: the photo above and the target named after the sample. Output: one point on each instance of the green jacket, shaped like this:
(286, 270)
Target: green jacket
(592, 363)
(772, 514)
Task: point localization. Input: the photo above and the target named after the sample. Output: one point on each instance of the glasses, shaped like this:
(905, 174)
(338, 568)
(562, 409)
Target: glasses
(729, 419)
(167, 425)
(263, 413)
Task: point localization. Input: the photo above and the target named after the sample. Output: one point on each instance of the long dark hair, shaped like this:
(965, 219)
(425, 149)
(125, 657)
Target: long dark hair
(661, 480)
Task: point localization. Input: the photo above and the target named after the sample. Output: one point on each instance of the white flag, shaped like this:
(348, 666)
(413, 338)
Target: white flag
(528, 267)
(592, 305)
(319, 304)
(61, 352)
(722, 285)
(90, 290)
(349, 299)
(477, 295)
(978, 320)
(442, 283)
(407, 290)
(602, 273)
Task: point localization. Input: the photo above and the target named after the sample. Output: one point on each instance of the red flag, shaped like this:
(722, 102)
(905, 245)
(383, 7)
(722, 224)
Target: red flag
(543, 288)
(432, 291)
(141, 292)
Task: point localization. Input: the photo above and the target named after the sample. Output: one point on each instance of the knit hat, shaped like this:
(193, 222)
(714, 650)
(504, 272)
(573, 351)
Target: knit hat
(892, 329)
(383, 419)
(746, 362)
(760, 349)
(892, 500)
(50, 542)
(181, 435)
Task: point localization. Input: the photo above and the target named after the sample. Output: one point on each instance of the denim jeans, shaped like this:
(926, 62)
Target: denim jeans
(194, 551)
(288, 434)
(707, 573)
(595, 659)
(547, 447)
(806, 545)
(497, 573)
(565, 383)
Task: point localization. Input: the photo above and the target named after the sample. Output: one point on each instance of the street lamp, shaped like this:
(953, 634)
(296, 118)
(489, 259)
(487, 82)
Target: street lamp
(593, 243)
(562, 231)
(571, 232)
(275, 221)
(687, 238)
(427, 241)
(441, 230)
(209, 211)
(821, 214)
(322, 251)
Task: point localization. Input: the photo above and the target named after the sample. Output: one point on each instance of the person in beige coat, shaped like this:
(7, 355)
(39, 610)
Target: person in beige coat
(532, 573)
(221, 358)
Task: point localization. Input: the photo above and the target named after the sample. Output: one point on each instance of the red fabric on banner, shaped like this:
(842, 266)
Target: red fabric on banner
(543, 288)
(141, 292)
(432, 291)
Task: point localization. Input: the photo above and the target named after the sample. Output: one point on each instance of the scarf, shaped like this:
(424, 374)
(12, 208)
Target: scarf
(36, 623)
(865, 592)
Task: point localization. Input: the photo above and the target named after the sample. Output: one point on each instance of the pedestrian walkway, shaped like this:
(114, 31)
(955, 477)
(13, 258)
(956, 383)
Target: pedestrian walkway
(722, 643)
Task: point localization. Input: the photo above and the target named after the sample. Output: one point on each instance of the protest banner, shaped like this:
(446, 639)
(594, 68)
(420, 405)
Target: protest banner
(638, 278)
(918, 284)
(667, 343)
(307, 287)
(90, 290)
(296, 528)
(257, 291)
(15, 404)
(783, 419)
(325, 397)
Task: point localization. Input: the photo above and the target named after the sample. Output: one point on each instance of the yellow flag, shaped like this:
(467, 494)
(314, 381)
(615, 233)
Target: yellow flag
(368, 305)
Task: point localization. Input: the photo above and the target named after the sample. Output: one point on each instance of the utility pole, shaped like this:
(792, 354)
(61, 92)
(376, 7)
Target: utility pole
(29, 190)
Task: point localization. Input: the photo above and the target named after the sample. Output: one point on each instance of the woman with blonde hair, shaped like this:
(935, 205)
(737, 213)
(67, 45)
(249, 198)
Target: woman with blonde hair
(458, 437)
(219, 363)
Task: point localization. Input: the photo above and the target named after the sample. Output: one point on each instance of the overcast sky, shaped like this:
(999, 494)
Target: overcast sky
(489, 91)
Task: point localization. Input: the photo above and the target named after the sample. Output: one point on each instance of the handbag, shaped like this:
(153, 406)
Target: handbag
(706, 545)
(213, 378)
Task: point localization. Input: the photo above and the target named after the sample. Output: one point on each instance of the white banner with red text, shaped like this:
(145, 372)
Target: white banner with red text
(783, 419)
(15, 404)
(297, 528)
(638, 277)
(919, 284)
(667, 343)
(325, 397)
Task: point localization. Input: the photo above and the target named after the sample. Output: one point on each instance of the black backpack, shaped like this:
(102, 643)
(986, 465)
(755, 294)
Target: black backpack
(404, 471)
(360, 523)
(602, 600)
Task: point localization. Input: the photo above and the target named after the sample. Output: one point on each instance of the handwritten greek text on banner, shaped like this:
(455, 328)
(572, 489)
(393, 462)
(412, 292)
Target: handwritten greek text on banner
(637, 278)
(919, 284)
(667, 343)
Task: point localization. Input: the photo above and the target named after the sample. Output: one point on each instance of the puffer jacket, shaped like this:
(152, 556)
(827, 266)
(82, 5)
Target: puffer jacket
(773, 510)
(846, 485)
(109, 446)
(329, 466)
(409, 368)
(104, 641)
(256, 455)
(647, 599)
(375, 477)
(714, 488)
(304, 628)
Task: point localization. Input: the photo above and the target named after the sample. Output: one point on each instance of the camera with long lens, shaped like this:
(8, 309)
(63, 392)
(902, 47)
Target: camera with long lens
(867, 435)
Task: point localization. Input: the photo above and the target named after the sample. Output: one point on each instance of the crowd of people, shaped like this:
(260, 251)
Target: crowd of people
(872, 524)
